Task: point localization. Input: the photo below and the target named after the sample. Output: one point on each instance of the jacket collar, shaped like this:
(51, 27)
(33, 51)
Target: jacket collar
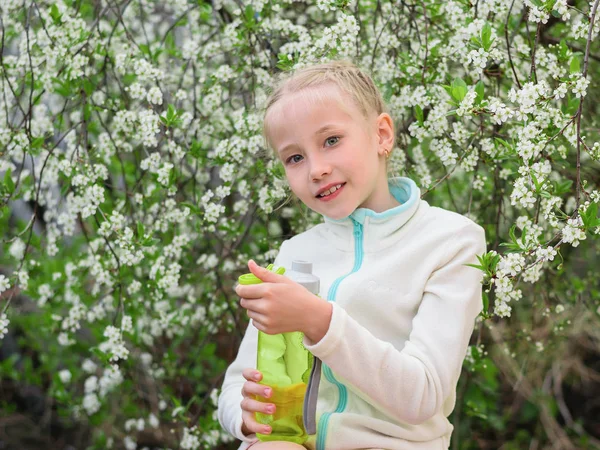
(379, 229)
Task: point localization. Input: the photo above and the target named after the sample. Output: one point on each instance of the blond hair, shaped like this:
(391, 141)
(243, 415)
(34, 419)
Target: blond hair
(343, 73)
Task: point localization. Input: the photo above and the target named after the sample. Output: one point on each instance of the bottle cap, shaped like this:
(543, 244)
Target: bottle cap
(250, 278)
(302, 274)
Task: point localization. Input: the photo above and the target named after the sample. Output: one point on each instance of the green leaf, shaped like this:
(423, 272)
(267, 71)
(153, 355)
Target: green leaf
(419, 114)
(575, 65)
(150, 242)
(536, 183)
(38, 142)
(8, 181)
(249, 16)
(278, 171)
(194, 208)
(564, 49)
(205, 11)
(63, 88)
(562, 187)
(459, 89)
(195, 149)
(480, 90)
(140, 230)
(284, 63)
(87, 112)
(486, 302)
(486, 37)
(590, 215)
(504, 143)
(572, 105)
(55, 14)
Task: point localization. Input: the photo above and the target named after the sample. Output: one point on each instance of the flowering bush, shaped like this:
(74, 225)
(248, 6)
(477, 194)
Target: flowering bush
(134, 187)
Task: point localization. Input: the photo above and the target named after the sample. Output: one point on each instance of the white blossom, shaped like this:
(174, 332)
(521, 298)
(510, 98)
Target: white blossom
(65, 376)
(4, 322)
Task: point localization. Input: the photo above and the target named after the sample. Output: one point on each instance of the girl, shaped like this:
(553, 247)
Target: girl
(397, 302)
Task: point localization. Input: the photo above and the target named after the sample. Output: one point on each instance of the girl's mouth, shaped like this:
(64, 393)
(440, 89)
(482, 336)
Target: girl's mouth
(331, 195)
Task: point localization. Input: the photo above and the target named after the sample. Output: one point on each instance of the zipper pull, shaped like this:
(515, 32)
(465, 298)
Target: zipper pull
(309, 416)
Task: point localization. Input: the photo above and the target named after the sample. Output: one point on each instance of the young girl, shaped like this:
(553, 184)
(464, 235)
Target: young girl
(397, 303)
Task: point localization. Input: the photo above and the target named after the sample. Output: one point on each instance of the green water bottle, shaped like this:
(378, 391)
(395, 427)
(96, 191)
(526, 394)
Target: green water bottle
(286, 366)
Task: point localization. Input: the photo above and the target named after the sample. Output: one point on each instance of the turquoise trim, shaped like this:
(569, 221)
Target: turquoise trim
(403, 189)
(342, 390)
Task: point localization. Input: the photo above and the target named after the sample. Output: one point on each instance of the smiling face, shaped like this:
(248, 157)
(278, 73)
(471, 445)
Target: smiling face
(324, 143)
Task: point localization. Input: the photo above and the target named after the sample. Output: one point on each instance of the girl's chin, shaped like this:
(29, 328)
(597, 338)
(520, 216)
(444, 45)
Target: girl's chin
(333, 213)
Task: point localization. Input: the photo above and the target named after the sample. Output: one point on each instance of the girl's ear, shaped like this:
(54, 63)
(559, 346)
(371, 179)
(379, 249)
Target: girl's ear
(385, 133)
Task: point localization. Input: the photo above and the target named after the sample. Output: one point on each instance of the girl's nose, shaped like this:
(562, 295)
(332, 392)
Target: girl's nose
(319, 168)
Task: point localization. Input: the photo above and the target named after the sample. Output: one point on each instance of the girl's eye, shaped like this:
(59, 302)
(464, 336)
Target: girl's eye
(291, 159)
(336, 138)
(332, 140)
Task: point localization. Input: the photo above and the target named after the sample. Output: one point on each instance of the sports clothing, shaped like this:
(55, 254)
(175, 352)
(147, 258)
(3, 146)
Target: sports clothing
(404, 305)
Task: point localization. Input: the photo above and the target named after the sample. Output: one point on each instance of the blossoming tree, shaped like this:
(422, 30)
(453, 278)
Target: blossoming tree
(134, 186)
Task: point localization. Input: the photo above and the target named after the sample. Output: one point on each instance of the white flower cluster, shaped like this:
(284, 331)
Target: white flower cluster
(479, 182)
(95, 389)
(136, 90)
(155, 96)
(443, 150)
(268, 195)
(326, 5)
(409, 97)
(505, 293)
(88, 202)
(466, 105)
(545, 253)
(479, 59)
(190, 440)
(65, 376)
(528, 95)
(72, 322)
(148, 128)
(581, 85)
(4, 322)
(501, 113)
(562, 8)
(572, 232)
(115, 346)
(536, 13)
(345, 31)
(474, 354)
(422, 168)
(511, 264)
(522, 194)
(4, 283)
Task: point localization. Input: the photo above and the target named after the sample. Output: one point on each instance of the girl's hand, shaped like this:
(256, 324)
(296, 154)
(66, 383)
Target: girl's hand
(280, 305)
(251, 390)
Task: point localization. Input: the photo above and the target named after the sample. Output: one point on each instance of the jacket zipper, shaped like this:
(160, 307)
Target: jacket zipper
(342, 390)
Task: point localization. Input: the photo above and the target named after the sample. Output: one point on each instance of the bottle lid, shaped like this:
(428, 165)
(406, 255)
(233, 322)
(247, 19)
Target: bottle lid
(302, 274)
(250, 278)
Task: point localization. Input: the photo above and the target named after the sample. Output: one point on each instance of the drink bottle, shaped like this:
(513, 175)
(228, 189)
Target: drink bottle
(286, 366)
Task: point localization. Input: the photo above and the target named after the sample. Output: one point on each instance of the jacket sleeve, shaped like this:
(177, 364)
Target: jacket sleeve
(229, 410)
(412, 384)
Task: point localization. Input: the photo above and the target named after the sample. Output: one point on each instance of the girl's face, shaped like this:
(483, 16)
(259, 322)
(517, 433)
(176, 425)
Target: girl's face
(323, 146)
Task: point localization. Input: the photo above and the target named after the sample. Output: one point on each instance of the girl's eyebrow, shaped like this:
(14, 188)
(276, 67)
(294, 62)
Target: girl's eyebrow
(323, 129)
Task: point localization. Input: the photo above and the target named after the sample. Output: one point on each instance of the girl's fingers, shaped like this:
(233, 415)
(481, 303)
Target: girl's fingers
(251, 405)
(252, 425)
(257, 318)
(254, 304)
(251, 374)
(251, 388)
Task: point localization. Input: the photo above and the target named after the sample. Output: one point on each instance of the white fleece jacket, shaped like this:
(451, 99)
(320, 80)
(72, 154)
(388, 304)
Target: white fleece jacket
(404, 305)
